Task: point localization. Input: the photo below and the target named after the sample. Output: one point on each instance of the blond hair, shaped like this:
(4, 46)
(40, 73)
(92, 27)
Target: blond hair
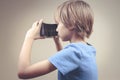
(77, 14)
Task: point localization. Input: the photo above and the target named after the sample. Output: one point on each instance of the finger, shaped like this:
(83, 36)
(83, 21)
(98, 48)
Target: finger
(56, 36)
(35, 24)
(40, 22)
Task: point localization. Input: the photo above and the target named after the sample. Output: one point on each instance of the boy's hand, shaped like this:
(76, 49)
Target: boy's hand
(57, 43)
(34, 31)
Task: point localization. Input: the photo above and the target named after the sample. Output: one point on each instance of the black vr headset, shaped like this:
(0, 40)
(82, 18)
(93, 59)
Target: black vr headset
(48, 30)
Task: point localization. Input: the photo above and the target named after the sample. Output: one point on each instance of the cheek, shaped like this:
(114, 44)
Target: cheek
(60, 32)
(60, 29)
(64, 34)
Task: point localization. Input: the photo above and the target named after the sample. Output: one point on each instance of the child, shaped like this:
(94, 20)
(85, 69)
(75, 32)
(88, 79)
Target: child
(74, 62)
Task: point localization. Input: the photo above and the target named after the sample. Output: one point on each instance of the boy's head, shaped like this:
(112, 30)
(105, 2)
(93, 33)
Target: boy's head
(77, 15)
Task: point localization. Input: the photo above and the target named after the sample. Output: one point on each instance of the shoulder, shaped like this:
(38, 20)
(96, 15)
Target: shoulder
(75, 46)
(72, 46)
(81, 48)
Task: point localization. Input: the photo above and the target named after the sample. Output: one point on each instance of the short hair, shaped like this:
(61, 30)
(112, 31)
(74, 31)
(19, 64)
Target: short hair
(77, 14)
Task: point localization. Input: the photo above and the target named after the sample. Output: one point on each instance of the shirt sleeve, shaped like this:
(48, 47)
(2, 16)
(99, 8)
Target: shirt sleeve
(66, 60)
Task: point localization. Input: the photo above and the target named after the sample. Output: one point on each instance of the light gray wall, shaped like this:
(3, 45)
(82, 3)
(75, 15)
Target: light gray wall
(17, 16)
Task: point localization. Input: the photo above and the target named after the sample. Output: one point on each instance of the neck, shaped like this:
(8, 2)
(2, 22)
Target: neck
(76, 39)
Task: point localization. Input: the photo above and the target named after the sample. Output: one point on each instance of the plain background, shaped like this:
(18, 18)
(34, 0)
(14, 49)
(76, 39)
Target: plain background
(17, 16)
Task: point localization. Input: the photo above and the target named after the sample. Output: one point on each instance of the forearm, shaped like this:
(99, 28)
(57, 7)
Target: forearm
(57, 43)
(25, 54)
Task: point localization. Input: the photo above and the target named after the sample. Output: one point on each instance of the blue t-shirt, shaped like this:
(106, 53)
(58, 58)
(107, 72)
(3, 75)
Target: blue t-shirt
(76, 62)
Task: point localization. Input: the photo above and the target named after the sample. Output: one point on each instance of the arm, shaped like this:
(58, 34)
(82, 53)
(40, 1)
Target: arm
(57, 43)
(25, 68)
